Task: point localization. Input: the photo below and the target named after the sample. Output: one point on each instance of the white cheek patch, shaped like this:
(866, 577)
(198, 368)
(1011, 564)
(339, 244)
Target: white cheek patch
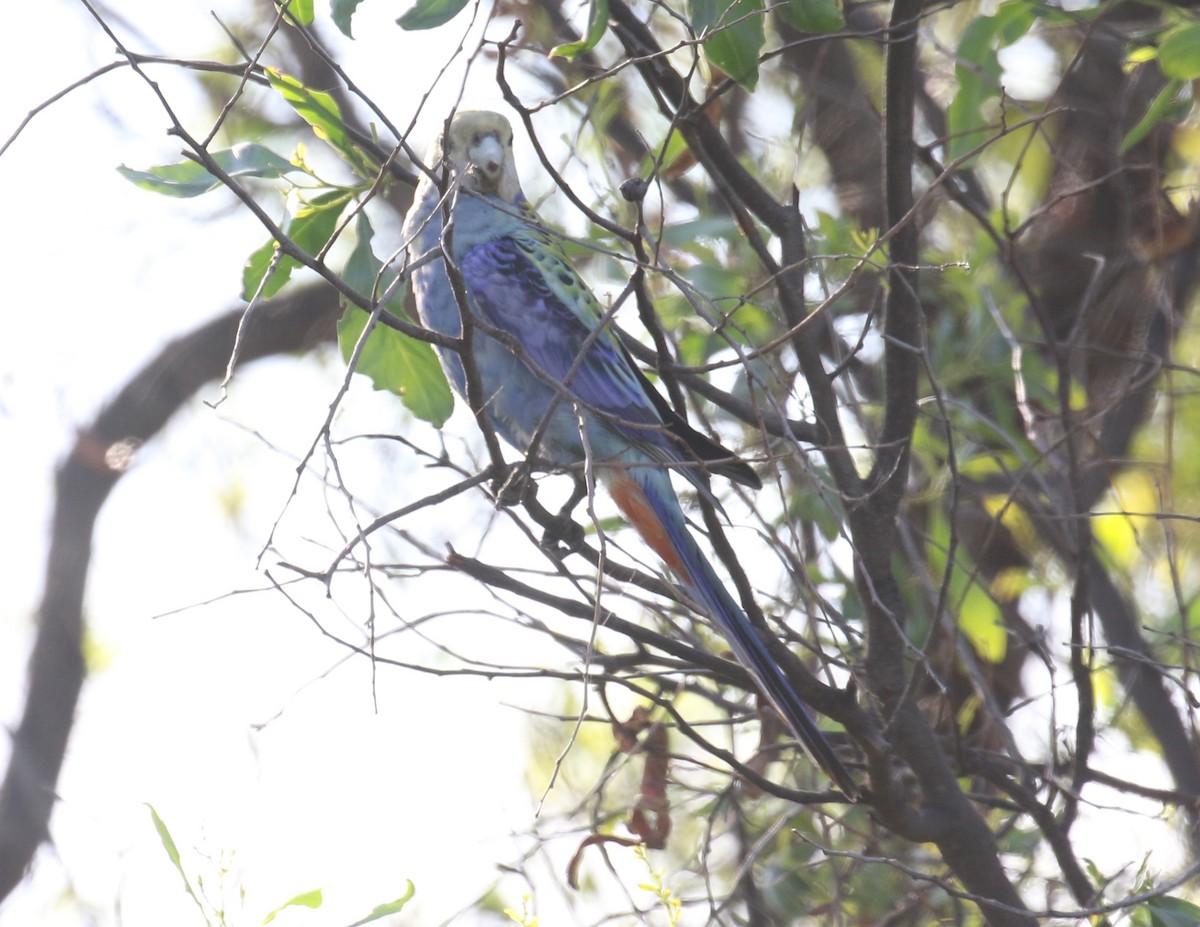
(488, 154)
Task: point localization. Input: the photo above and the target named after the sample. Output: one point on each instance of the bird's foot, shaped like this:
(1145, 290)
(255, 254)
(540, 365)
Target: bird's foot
(514, 487)
(563, 535)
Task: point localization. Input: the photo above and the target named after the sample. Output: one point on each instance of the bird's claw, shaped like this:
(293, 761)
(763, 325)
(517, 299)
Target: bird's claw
(514, 488)
(562, 536)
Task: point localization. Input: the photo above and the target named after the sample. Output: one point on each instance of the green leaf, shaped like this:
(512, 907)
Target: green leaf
(323, 115)
(1179, 52)
(312, 899)
(684, 233)
(1139, 54)
(429, 14)
(735, 35)
(168, 842)
(597, 23)
(1162, 103)
(311, 228)
(978, 76)
(394, 362)
(302, 10)
(674, 157)
(189, 178)
(979, 617)
(391, 907)
(341, 11)
(1167, 911)
(816, 16)
(982, 624)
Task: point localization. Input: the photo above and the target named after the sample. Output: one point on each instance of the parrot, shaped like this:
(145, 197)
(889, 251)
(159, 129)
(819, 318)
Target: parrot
(554, 374)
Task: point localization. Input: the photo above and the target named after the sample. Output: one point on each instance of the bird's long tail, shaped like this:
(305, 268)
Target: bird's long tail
(647, 500)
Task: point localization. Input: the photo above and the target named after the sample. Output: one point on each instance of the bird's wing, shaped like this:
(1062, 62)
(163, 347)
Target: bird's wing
(525, 286)
(537, 298)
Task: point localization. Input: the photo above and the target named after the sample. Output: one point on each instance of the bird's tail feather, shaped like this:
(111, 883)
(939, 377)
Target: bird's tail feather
(647, 500)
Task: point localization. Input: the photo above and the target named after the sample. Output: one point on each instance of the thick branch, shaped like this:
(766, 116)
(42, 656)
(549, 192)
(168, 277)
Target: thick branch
(289, 324)
(966, 843)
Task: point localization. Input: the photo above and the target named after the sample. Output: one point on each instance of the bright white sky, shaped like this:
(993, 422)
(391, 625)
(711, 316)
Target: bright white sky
(333, 792)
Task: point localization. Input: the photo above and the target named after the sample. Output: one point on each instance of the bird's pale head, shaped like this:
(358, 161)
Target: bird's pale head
(478, 148)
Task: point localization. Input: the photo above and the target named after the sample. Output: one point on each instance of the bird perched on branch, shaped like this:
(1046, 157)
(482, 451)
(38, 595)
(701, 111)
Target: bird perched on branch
(556, 382)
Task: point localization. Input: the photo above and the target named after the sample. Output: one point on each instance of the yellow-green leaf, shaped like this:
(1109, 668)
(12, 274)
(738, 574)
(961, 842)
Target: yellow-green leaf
(310, 228)
(302, 10)
(322, 113)
(1179, 52)
(597, 23)
(168, 842)
(388, 908)
(982, 624)
(312, 899)
(1162, 104)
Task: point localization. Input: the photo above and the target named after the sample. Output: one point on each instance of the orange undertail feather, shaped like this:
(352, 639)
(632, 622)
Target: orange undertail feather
(632, 502)
(661, 524)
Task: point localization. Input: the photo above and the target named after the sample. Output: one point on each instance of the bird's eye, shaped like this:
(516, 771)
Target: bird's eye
(477, 138)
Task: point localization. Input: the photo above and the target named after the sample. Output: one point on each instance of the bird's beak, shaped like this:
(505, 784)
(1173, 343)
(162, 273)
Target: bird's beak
(487, 157)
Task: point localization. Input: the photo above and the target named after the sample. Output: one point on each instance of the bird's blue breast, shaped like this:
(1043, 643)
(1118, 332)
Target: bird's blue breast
(515, 399)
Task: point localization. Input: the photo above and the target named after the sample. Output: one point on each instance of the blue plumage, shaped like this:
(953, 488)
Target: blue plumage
(510, 293)
(570, 367)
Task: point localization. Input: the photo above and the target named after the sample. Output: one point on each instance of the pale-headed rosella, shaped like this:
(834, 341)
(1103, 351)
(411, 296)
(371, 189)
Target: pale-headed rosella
(571, 385)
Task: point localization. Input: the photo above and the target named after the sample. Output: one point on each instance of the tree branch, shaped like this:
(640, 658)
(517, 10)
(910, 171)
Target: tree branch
(293, 322)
